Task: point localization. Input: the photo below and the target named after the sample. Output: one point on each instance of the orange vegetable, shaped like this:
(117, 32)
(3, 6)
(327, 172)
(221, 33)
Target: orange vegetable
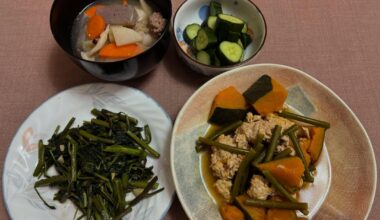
(230, 212)
(252, 212)
(317, 137)
(91, 11)
(305, 143)
(125, 2)
(281, 214)
(287, 171)
(266, 95)
(115, 52)
(228, 106)
(95, 26)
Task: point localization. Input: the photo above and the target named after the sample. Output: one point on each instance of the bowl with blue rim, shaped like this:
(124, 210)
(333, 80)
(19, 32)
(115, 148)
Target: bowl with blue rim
(214, 36)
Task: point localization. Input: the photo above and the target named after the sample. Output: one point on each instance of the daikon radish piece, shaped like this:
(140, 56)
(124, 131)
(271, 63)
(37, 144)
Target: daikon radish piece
(148, 10)
(124, 36)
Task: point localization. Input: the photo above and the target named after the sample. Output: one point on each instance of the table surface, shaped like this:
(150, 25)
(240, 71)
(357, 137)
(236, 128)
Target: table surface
(336, 42)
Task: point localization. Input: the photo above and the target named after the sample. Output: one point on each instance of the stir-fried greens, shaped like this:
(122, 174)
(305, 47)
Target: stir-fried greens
(98, 163)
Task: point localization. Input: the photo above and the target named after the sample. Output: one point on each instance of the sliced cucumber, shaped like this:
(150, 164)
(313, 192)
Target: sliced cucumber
(245, 40)
(240, 43)
(211, 22)
(204, 57)
(230, 23)
(215, 8)
(245, 28)
(191, 32)
(230, 52)
(233, 36)
(205, 38)
(216, 61)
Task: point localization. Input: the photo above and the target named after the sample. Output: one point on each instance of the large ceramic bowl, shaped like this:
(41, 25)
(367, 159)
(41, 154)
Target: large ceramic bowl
(196, 11)
(345, 184)
(62, 16)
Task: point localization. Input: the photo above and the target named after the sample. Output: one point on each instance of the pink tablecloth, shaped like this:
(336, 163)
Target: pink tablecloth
(337, 42)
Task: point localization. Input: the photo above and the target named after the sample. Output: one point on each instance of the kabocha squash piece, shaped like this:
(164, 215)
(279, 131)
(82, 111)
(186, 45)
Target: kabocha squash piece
(281, 214)
(251, 212)
(317, 137)
(228, 106)
(266, 95)
(288, 171)
(305, 143)
(230, 212)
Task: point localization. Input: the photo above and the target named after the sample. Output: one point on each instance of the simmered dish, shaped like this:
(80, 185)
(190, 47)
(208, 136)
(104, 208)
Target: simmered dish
(259, 154)
(111, 30)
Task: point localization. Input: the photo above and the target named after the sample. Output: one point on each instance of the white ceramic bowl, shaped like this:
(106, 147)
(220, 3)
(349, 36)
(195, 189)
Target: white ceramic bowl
(345, 184)
(195, 11)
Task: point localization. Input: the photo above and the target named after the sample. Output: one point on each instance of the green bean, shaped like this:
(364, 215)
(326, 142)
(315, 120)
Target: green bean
(273, 143)
(92, 137)
(304, 119)
(124, 150)
(277, 204)
(224, 130)
(144, 145)
(242, 174)
(225, 147)
(297, 148)
(141, 184)
(258, 145)
(280, 189)
(258, 159)
(41, 159)
(283, 154)
(294, 127)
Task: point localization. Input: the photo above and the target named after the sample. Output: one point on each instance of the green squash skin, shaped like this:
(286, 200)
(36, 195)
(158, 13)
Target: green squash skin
(222, 116)
(258, 89)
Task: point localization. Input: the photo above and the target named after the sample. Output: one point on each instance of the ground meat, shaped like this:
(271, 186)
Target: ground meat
(241, 141)
(224, 188)
(156, 23)
(223, 163)
(259, 188)
(284, 144)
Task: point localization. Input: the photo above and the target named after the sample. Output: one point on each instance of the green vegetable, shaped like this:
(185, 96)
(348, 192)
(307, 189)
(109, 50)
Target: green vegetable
(203, 57)
(245, 29)
(283, 154)
(230, 23)
(242, 174)
(304, 119)
(212, 22)
(245, 39)
(98, 164)
(206, 38)
(224, 130)
(280, 189)
(277, 204)
(230, 52)
(290, 129)
(225, 147)
(297, 148)
(191, 32)
(273, 142)
(215, 8)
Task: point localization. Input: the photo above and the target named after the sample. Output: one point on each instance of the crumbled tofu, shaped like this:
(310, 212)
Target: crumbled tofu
(260, 188)
(223, 163)
(224, 188)
(274, 120)
(284, 144)
(303, 132)
(241, 141)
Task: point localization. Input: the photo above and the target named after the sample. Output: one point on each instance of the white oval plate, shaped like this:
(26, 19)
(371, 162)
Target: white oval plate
(341, 173)
(20, 198)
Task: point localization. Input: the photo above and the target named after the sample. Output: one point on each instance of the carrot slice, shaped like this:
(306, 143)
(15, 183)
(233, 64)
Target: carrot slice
(90, 12)
(115, 52)
(125, 2)
(95, 26)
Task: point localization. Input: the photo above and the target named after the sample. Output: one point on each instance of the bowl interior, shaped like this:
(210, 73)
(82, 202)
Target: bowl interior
(197, 11)
(343, 140)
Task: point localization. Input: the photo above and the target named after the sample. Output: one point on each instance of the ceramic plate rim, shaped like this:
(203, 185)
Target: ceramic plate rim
(44, 102)
(319, 83)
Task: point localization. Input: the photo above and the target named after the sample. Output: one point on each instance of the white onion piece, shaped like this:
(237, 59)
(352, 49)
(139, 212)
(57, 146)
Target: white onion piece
(101, 42)
(140, 14)
(86, 57)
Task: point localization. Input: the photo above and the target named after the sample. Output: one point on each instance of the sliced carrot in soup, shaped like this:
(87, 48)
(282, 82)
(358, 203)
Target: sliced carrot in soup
(95, 26)
(115, 52)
